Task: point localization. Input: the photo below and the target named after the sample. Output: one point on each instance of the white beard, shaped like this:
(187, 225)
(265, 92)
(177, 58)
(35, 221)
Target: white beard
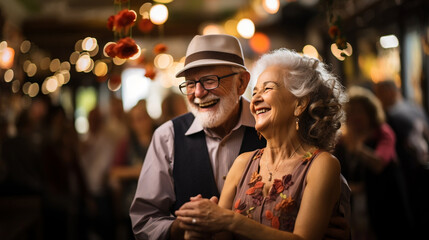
(211, 119)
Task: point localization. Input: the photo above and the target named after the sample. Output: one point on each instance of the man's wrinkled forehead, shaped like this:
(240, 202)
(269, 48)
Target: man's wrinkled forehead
(214, 69)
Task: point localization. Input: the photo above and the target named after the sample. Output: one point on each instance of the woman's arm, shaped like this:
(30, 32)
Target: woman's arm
(321, 193)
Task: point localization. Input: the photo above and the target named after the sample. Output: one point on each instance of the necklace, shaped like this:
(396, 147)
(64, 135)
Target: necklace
(270, 177)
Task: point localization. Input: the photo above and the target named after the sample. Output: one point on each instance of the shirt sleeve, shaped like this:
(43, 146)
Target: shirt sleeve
(150, 209)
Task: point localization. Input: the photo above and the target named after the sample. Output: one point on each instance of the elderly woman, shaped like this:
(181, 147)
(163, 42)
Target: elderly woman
(292, 188)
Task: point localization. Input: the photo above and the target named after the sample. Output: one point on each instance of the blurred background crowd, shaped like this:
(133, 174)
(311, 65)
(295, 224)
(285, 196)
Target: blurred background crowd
(75, 123)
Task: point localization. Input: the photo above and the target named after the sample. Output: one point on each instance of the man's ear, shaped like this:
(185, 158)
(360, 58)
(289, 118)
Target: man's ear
(301, 104)
(243, 81)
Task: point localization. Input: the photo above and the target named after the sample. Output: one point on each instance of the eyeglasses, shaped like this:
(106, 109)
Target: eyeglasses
(209, 82)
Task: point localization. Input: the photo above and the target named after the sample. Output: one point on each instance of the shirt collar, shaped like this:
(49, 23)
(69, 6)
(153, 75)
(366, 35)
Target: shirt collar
(246, 119)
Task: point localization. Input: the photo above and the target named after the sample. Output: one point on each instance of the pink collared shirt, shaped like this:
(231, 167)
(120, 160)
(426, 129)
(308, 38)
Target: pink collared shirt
(150, 209)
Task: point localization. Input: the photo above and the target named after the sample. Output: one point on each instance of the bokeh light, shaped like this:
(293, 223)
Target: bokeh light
(246, 28)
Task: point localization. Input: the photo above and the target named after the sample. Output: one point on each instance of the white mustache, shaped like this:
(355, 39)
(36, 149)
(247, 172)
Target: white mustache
(206, 99)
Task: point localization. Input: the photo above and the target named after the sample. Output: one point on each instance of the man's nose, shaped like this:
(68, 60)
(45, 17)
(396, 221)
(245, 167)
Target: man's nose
(199, 90)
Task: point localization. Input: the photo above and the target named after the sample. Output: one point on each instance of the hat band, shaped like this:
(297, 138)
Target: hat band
(214, 55)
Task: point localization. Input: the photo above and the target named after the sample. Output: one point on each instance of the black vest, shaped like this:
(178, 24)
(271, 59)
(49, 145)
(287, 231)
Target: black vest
(192, 171)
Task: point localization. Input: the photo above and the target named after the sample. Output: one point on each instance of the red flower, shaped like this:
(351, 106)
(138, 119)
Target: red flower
(111, 50)
(125, 18)
(160, 48)
(334, 31)
(126, 48)
(150, 72)
(145, 25)
(111, 23)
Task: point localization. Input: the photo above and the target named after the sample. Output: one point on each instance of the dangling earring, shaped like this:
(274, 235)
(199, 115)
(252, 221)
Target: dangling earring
(297, 123)
(259, 135)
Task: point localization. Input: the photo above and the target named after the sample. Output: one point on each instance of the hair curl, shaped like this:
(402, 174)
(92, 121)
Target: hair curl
(308, 77)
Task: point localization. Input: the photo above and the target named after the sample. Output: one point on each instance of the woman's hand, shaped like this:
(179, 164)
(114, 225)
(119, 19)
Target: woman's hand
(204, 215)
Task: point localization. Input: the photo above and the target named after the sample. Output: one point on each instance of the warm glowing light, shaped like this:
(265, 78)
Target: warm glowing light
(389, 41)
(89, 44)
(163, 61)
(163, 1)
(118, 61)
(337, 52)
(90, 67)
(145, 8)
(94, 51)
(6, 57)
(260, 43)
(8, 75)
(74, 57)
(66, 75)
(349, 50)
(3, 45)
(51, 84)
(246, 28)
(230, 27)
(78, 46)
(81, 124)
(212, 29)
(311, 51)
(16, 86)
(25, 46)
(65, 66)
(271, 6)
(83, 63)
(33, 90)
(158, 14)
(25, 87)
(55, 65)
(60, 79)
(31, 70)
(100, 69)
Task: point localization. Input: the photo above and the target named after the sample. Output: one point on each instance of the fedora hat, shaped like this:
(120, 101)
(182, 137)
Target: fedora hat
(214, 49)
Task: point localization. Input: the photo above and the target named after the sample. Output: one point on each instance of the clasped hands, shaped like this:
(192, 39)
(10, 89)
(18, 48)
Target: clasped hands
(202, 217)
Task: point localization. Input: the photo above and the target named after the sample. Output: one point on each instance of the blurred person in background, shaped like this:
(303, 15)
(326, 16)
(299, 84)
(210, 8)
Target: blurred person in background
(64, 189)
(126, 167)
(410, 124)
(173, 105)
(369, 162)
(96, 155)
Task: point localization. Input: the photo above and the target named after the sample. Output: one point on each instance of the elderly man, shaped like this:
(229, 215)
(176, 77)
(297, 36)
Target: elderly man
(192, 154)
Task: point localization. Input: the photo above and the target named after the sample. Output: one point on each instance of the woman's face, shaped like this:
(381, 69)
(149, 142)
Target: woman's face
(272, 104)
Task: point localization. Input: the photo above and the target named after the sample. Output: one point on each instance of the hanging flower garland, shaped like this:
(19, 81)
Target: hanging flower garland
(121, 24)
(335, 31)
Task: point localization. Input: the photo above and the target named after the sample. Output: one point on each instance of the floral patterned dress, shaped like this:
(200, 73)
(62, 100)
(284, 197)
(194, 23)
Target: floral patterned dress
(280, 207)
